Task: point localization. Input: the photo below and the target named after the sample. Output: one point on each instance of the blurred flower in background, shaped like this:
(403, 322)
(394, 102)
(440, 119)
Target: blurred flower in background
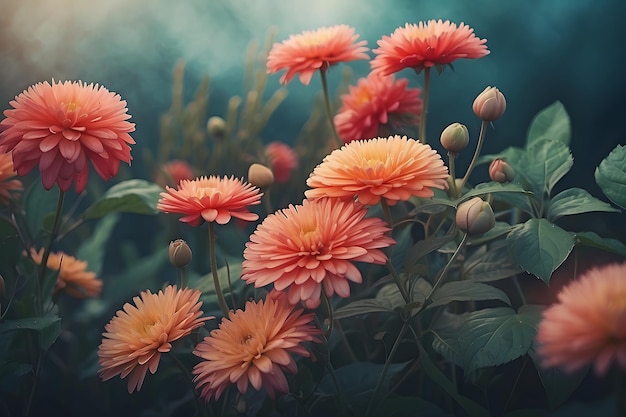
(9, 185)
(283, 160)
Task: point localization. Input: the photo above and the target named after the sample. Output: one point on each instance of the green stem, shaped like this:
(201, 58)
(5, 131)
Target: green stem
(46, 253)
(481, 139)
(398, 281)
(183, 277)
(386, 212)
(443, 273)
(329, 113)
(425, 96)
(216, 280)
(451, 168)
(383, 374)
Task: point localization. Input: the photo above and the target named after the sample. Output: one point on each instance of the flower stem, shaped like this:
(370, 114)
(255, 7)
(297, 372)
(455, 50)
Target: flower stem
(383, 374)
(183, 278)
(398, 281)
(46, 253)
(422, 134)
(216, 280)
(481, 139)
(329, 113)
(452, 169)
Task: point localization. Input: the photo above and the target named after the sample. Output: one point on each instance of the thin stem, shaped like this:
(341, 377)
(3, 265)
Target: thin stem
(481, 139)
(443, 273)
(451, 168)
(183, 277)
(386, 212)
(329, 113)
(425, 96)
(398, 281)
(46, 253)
(216, 280)
(383, 374)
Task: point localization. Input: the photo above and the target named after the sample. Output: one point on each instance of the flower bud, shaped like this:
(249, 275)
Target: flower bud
(216, 126)
(489, 105)
(475, 216)
(500, 171)
(260, 175)
(455, 137)
(179, 253)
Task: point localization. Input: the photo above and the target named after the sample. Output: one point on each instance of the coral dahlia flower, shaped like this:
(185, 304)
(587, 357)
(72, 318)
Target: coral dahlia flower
(309, 51)
(138, 334)
(588, 324)
(254, 347)
(306, 248)
(62, 127)
(393, 168)
(212, 199)
(73, 278)
(283, 160)
(425, 45)
(8, 184)
(375, 104)
(172, 172)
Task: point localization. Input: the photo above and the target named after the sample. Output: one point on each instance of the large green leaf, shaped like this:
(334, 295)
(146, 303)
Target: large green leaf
(132, 196)
(575, 201)
(539, 247)
(551, 123)
(361, 307)
(611, 176)
(545, 163)
(466, 291)
(494, 336)
(47, 327)
(492, 188)
(594, 240)
(490, 263)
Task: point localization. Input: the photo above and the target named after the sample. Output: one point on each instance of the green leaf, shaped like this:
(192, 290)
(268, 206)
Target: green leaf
(575, 201)
(360, 308)
(48, 327)
(492, 188)
(611, 176)
(92, 249)
(495, 336)
(539, 247)
(490, 263)
(594, 240)
(545, 163)
(551, 123)
(390, 297)
(39, 205)
(466, 291)
(512, 155)
(423, 247)
(132, 196)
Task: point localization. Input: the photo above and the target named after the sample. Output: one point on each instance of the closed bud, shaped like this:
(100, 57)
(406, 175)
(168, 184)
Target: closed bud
(490, 104)
(455, 138)
(500, 171)
(260, 175)
(475, 216)
(179, 253)
(216, 126)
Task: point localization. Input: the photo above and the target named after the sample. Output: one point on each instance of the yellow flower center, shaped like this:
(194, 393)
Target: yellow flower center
(364, 95)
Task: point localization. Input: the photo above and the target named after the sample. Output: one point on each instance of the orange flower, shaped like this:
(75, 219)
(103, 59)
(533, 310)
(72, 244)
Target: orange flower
(283, 160)
(253, 347)
(211, 199)
(588, 324)
(64, 126)
(8, 185)
(73, 275)
(310, 51)
(394, 168)
(303, 248)
(374, 104)
(172, 172)
(137, 335)
(432, 44)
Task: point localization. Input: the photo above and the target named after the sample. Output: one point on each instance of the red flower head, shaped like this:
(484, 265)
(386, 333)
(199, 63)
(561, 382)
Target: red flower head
(425, 45)
(283, 160)
(310, 51)
(64, 126)
(303, 248)
(374, 104)
(172, 172)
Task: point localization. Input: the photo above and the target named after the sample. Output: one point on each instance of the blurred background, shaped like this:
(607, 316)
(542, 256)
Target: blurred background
(541, 51)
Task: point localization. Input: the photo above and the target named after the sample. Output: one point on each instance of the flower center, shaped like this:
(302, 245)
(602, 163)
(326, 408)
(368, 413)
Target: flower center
(364, 95)
(245, 340)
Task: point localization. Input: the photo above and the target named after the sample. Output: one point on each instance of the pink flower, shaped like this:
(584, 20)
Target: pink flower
(588, 324)
(173, 172)
(425, 45)
(310, 51)
(304, 248)
(283, 160)
(64, 126)
(374, 105)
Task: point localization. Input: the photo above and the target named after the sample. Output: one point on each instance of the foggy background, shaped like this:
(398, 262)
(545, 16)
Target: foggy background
(541, 51)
